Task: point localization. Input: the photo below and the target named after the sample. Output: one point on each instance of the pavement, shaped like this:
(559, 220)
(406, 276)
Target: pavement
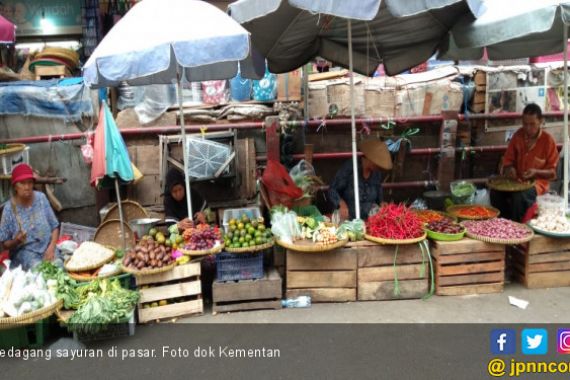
(545, 306)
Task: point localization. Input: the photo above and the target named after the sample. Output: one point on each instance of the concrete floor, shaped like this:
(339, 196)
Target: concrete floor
(546, 306)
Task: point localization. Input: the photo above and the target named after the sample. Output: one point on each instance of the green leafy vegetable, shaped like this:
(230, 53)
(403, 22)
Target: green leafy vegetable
(65, 284)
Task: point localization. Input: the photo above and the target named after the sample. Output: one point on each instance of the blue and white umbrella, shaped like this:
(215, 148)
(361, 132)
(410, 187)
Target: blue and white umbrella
(160, 41)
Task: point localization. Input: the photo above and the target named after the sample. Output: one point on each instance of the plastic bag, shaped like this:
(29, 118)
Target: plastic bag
(284, 225)
(352, 229)
(215, 92)
(482, 197)
(240, 88)
(265, 90)
(155, 102)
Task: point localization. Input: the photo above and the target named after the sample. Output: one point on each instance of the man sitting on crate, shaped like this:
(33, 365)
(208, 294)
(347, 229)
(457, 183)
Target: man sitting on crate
(531, 155)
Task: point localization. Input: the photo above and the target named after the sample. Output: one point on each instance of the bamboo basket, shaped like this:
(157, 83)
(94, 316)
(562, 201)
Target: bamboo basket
(12, 148)
(486, 239)
(109, 234)
(395, 241)
(307, 246)
(211, 251)
(148, 272)
(29, 318)
(256, 248)
(453, 211)
(131, 210)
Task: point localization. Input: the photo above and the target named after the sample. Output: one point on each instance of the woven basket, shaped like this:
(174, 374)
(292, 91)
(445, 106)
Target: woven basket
(505, 185)
(148, 272)
(206, 252)
(109, 234)
(64, 315)
(453, 210)
(131, 210)
(12, 148)
(94, 266)
(308, 246)
(256, 248)
(395, 241)
(80, 278)
(29, 318)
(503, 241)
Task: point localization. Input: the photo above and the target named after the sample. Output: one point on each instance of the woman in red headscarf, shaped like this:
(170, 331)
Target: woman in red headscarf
(28, 228)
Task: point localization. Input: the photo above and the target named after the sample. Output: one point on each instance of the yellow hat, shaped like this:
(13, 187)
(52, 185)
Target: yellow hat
(377, 152)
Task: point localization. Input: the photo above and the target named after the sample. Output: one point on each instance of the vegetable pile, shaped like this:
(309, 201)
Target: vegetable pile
(87, 255)
(148, 254)
(479, 212)
(552, 223)
(23, 292)
(395, 221)
(245, 232)
(102, 302)
(428, 216)
(498, 228)
(201, 237)
(64, 285)
(351, 229)
(445, 226)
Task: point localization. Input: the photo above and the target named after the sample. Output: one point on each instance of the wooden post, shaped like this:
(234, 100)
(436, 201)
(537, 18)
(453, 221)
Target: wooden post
(309, 150)
(272, 138)
(447, 137)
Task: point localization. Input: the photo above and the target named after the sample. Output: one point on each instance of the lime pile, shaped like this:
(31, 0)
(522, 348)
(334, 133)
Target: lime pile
(245, 233)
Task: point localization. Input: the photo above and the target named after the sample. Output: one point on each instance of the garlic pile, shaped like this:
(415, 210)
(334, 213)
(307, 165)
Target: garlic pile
(551, 222)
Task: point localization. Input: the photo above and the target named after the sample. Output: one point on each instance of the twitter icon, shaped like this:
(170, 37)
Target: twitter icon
(534, 342)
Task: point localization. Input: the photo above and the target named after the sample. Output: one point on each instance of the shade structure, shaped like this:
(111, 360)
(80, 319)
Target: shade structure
(399, 34)
(7, 31)
(157, 38)
(510, 29)
(161, 41)
(358, 34)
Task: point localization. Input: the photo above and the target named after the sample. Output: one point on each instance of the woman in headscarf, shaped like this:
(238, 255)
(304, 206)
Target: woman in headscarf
(175, 205)
(29, 228)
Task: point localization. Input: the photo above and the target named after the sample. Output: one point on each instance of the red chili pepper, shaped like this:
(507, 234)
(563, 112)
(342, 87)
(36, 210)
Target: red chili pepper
(395, 221)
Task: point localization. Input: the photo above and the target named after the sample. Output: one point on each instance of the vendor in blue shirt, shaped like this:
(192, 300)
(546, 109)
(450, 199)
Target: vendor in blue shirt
(376, 158)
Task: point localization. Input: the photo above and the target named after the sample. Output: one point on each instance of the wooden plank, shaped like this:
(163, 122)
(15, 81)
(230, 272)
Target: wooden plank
(450, 270)
(549, 267)
(384, 290)
(469, 289)
(324, 295)
(331, 279)
(386, 273)
(547, 280)
(339, 259)
(463, 246)
(543, 244)
(361, 243)
(549, 257)
(470, 279)
(245, 306)
(328, 75)
(268, 287)
(384, 255)
(167, 292)
(171, 311)
(470, 257)
(179, 272)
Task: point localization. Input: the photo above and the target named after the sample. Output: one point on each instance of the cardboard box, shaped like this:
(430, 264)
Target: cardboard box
(289, 86)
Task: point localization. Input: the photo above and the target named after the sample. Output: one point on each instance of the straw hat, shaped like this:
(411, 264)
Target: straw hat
(377, 152)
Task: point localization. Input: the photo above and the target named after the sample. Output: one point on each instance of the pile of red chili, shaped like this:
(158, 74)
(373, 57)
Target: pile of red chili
(475, 212)
(395, 221)
(428, 216)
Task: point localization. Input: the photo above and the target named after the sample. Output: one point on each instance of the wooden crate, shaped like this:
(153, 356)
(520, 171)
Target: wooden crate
(376, 272)
(468, 267)
(181, 282)
(264, 293)
(326, 277)
(542, 263)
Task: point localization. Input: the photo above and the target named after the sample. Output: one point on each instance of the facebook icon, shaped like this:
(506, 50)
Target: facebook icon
(503, 342)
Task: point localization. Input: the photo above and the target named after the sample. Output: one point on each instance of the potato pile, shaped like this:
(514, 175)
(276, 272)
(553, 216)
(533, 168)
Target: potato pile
(148, 254)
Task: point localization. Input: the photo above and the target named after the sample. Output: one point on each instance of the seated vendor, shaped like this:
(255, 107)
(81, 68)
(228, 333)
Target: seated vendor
(376, 158)
(175, 205)
(531, 155)
(29, 228)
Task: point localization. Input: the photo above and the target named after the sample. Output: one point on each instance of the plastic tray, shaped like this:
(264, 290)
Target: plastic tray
(241, 266)
(78, 233)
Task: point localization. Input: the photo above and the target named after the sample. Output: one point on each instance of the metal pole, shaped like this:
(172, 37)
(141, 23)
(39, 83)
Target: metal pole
(121, 218)
(565, 176)
(353, 124)
(185, 157)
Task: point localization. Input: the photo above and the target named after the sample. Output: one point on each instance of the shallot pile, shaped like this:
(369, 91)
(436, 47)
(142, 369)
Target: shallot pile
(445, 226)
(499, 228)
